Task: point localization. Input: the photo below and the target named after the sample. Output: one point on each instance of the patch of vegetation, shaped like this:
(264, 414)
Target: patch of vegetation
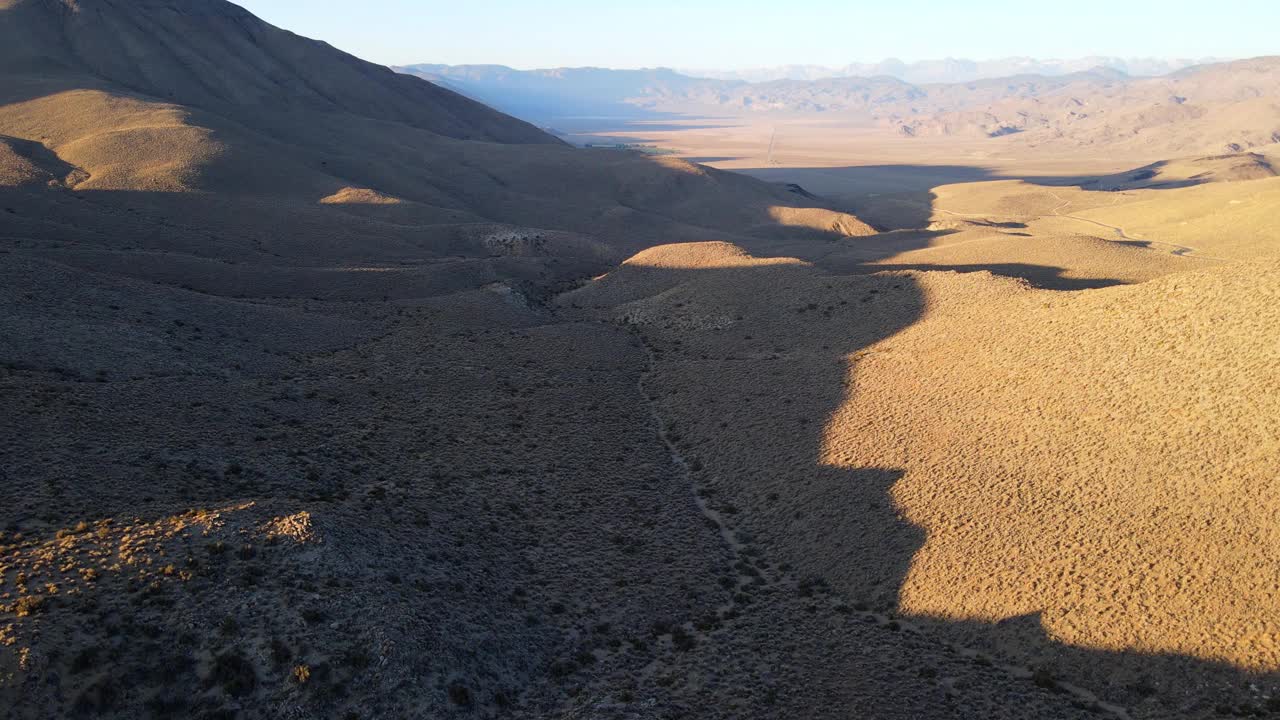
(99, 697)
(1043, 678)
(232, 672)
(85, 658)
(30, 605)
(460, 695)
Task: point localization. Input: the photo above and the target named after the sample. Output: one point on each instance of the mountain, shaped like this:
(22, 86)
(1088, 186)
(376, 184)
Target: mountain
(1215, 108)
(1220, 108)
(956, 70)
(218, 57)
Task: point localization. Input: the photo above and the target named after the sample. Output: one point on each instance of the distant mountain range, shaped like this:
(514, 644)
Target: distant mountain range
(957, 70)
(1219, 107)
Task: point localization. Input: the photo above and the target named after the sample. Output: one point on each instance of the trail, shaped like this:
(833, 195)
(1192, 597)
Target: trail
(1179, 250)
(714, 517)
(739, 558)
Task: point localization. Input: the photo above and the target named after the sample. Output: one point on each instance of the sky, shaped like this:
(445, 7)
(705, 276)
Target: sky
(738, 34)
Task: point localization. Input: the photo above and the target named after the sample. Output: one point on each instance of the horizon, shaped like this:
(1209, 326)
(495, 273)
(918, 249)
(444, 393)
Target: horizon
(716, 35)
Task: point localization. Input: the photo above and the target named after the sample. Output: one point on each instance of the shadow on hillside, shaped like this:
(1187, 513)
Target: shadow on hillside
(868, 189)
(893, 179)
(890, 196)
(900, 201)
(709, 159)
(1045, 277)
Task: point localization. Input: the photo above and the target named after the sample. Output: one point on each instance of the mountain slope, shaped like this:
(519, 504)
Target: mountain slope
(220, 57)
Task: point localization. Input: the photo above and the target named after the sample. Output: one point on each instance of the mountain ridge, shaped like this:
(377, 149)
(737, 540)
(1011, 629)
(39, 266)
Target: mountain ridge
(1204, 109)
(954, 70)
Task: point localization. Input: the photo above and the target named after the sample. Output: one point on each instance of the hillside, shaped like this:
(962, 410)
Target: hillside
(218, 57)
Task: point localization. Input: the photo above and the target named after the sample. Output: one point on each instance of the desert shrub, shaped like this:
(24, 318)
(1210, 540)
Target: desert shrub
(281, 653)
(99, 697)
(682, 640)
(562, 668)
(233, 673)
(313, 616)
(707, 623)
(85, 659)
(357, 658)
(29, 605)
(230, 626)
(168, 703)
(1043, 678)
(460, 695)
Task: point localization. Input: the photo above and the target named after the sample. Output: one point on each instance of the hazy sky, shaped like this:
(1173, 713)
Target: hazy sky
(733, 34)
